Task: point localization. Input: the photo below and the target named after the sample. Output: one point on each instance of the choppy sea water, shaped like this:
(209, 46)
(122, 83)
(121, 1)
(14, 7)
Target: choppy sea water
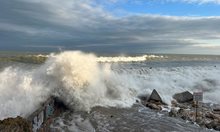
(102, 91)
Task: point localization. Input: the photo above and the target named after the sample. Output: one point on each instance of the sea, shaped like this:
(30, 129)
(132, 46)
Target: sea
(102, 91)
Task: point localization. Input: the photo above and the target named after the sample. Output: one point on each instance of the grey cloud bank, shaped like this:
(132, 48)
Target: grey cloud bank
(47, 25)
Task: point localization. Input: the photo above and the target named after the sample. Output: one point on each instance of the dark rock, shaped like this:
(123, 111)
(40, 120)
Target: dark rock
(183, 97)
(217, 127)
(17, 124)
(155, 96)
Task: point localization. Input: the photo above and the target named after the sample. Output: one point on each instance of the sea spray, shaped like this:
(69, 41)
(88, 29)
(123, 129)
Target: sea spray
(21, 92)
(76, 78)
(85, 83)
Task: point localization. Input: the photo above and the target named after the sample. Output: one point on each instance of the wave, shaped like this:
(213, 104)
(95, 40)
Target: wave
(116, 59)
(76, 78)
(129, 58)
(81, 82)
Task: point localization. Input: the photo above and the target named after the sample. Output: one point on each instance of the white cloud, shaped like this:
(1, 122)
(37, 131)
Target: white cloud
(207, 46)
(196, 1)
(69, 12)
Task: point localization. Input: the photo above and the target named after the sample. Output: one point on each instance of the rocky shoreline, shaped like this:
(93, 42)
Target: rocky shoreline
(206, 115)
(182, 106)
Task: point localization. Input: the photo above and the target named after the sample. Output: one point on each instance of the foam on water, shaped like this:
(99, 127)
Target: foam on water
(129, 58)
(82, 83)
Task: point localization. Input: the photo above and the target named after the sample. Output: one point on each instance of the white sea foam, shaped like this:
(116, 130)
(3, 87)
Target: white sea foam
(128, 58)
(82, 83)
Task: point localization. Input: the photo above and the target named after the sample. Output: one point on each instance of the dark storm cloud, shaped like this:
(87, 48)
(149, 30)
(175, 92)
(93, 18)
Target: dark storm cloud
(84, 25)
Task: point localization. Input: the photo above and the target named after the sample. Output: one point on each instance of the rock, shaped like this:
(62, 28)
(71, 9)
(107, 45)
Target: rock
(174, 103)
(217, 127)
(154, 96)
(184, 114)
(183, 106)
(213, 125)
(17, 124)
(183, 97)
(153, 106)
(174, 112)
(216, 110)
(216, 117)
(210, 115)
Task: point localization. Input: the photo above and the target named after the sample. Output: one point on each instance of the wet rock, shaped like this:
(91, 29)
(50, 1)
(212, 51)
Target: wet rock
(17, 124)
(183, 106)
(155, 97)
(207, 115)
(185, 114)
(213, 125)
(216, 110)
(200, 121)
(210, 115)
(183, 97)
(217, 127)
(153, 106)
(174, 103)
(173, 112)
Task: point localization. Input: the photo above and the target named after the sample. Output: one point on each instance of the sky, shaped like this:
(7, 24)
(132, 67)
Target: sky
(111, 26)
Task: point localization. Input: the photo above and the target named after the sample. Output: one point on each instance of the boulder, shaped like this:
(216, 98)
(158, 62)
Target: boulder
(154, 97)
(17, 124)
(183, 97)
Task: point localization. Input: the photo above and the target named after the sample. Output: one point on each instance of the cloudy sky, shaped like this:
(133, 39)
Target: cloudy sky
(111, 26)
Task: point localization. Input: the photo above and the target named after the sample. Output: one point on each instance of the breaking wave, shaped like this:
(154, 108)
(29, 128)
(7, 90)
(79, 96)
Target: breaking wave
(82, 83)
(129, 58)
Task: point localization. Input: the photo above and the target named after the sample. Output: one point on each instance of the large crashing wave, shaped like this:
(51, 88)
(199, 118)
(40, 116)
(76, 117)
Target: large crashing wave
(82, 83)
(76, 78)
